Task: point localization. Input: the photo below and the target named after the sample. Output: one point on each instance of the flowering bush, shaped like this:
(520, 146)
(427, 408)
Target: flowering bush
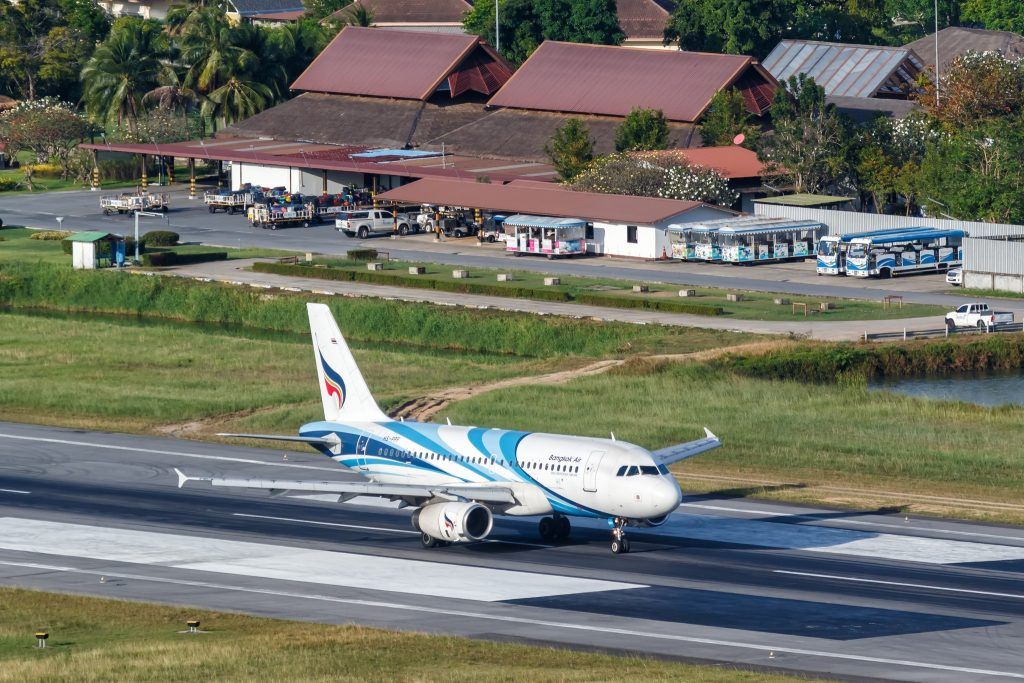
(48, 128)
(655, 175)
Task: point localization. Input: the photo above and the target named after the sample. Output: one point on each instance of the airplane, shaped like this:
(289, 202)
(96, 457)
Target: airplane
(458, 477)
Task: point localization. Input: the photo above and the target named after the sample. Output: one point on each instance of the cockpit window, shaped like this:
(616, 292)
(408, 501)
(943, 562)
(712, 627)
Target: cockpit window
(622, 471)
(632, 471)
(662, 469)
(648, 469)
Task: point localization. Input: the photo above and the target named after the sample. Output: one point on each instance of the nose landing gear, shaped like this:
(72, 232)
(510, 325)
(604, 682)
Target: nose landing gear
(555, 528)
(620, 544)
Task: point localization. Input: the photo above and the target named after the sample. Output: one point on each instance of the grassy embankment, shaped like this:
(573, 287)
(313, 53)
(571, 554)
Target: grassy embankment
(95, 639)
(604, 291)
(803, 416)
(16, 247)
(119, 374)
(987, 293)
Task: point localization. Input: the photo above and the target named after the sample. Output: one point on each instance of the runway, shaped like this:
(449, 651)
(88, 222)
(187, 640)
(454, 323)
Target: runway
(835, 593)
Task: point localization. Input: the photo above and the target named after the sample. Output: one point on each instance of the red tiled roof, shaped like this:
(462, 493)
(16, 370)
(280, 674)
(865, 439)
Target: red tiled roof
(603, 79)
(410, 65)
(731, 161)
(411, 11)
(542, 199)
(642, 19)
(283, 17)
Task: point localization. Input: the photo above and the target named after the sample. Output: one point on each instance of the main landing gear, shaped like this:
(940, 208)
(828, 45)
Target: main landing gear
(620, 544)
(555, 528)
(429, 541)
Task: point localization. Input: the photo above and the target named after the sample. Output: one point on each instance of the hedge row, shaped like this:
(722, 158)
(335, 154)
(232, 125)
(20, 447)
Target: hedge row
(384, 278)
(171, 258)
(827, 363)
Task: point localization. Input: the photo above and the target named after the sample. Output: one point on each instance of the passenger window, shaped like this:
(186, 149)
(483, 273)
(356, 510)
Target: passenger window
(622, 471)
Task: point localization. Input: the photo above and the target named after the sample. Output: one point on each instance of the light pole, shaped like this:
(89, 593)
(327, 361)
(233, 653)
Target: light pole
(60, 223)
(936, 53)
(497, 29)
(147, 214)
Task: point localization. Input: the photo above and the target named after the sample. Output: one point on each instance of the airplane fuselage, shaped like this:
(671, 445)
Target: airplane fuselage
(550, 473)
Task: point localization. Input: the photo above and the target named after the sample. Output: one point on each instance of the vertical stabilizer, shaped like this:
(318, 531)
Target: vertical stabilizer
(343, 390)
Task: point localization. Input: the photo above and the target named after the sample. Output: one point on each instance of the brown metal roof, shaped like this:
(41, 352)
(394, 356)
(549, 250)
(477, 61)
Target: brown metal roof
(731, 161)
(642, 19)
(280, 17)
(609, 80)
(401, 64)
(411, 11)
(956, 40)
(541, 199)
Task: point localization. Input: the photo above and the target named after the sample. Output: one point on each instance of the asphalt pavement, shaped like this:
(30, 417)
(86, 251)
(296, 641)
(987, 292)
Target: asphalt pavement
(839, 593)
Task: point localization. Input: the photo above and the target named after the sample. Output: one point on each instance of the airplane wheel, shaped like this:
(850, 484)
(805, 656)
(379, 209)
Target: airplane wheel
(562, 528)
(547, 528)
(620, 547)
(429, 541)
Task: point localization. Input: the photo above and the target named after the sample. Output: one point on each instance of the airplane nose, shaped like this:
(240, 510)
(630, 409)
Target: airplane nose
(667, 496)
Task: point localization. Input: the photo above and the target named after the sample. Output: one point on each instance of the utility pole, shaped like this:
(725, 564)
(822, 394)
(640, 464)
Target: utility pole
(497, 28)
(936, 53)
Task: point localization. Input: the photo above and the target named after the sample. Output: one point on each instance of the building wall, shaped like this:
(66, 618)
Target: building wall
(994, 264)
(846, 222)
(612, 239)
(155, 9)
(262, 176)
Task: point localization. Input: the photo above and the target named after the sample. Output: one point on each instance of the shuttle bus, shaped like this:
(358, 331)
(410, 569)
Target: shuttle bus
(551, 237)
(910, 251)
(776, 241)
(831, 250)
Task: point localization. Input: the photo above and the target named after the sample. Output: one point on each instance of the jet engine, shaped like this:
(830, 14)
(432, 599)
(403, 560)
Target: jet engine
(454, 522)
(652, 521)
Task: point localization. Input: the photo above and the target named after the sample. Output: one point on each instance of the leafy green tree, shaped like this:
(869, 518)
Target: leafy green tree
(571, 148)
(322, 9)
(358, 14)
(746, 27)
(975, 88)
(85, 17)
(582, 21)
(727, 117)
(913, 19)
(808, 149)
(521, 30)
(642, 129)
(299, 42)
(996, 15)
(48, 128)
(126, 66)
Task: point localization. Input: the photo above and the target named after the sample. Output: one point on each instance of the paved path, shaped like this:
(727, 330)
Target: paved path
(235, 272)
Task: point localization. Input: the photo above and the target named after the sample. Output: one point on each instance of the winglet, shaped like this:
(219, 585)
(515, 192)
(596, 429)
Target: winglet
(710, 434)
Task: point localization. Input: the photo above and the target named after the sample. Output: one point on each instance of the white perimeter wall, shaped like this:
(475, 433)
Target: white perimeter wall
(610, 239)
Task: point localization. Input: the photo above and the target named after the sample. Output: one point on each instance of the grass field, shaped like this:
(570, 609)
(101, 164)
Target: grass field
(110, 641)
(754, 306)
(16, 247)
(781, 430)
(123, 375)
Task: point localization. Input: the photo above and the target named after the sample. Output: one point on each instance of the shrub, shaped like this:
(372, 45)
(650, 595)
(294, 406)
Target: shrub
(65, 246)
(112, 170)
(51, 235)
(157, 259)
(47, 170)
(160, 238)
(8, 183)
(362, 254)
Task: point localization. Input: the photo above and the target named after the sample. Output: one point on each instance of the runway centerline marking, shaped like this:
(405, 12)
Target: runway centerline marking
(371, 528)
(899, 583)
(155, 451)
(23, 493)
(527, 621)
(856, 522)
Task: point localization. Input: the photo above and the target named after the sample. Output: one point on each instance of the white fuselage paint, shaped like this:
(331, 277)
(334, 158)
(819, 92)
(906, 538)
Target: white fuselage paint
(564, 474)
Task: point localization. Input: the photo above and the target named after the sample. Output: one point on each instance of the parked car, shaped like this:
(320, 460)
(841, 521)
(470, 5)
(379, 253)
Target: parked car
(955, 277)
(373, 222)
(977, 315)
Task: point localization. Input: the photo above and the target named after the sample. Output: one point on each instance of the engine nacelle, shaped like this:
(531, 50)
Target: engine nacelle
(454, 522)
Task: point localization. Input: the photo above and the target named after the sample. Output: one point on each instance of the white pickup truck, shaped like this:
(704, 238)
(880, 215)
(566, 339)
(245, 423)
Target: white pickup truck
(977, 315)
(373, 222)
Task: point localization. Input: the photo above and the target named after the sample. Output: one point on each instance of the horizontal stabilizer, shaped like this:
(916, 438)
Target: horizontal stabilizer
(312, 440)
(682, 451)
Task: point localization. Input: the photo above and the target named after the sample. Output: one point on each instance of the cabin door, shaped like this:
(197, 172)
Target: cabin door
(590, 471)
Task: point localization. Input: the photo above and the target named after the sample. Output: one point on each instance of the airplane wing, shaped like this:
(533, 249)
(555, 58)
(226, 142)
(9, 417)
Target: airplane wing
(682, 451)
(312, 440)
(346, 490)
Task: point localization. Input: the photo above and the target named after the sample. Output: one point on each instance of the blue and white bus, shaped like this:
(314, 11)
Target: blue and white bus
(911, 251)
(831, 249)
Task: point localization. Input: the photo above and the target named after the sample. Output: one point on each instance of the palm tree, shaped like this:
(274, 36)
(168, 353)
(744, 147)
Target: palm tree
(263, 58)
(206, 49)
(125, 67)
(237, 99)
(358, 14)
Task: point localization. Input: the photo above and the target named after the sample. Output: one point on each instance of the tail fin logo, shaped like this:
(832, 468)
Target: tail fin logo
(334, 385)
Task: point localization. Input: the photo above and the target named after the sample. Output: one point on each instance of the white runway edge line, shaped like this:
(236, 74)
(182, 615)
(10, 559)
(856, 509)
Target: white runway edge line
(527, 621)
(290, 563)
(899, 584)
(154, 451)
